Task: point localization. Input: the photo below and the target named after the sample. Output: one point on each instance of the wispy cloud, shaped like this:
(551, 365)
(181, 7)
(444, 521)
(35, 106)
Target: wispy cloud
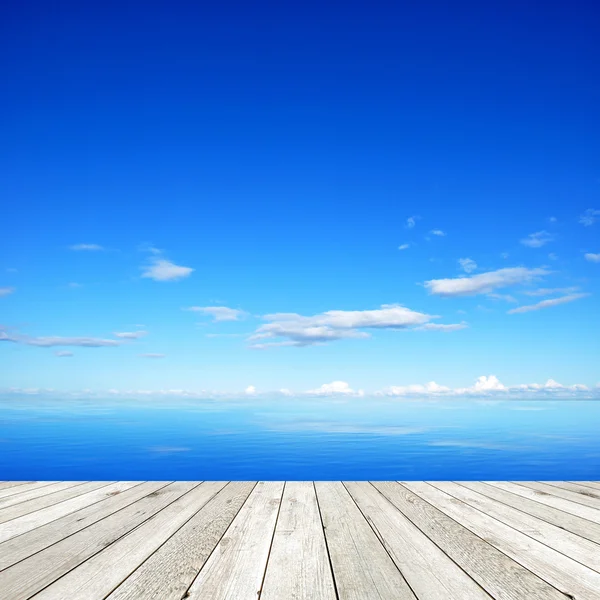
(442, 327)
(483, 283)
(537, 239)
(547, 303)
(412, 221)
(404, 247)
(437, 232)
(592, 257)
(250, 390)
(299, 330)
(6, 291)
(63, 354)
(550, 291)
(505, 297)
(152, 355)
(589, 217)
(161, 269)
(86, 247)
(130, 335)
(219, 313)
(468, 265)
(553, 256)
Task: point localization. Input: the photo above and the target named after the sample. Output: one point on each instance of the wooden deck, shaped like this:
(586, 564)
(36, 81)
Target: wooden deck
(278, 540)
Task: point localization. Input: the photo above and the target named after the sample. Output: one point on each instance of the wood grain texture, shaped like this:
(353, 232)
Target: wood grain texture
(574, 495)
(298, 567)
(431, 574)
(567, 543)
(23, 488)
(590, 484)
(362, 568)
(101, 574)
(563, 573)
(48, 529)
(564, 520)
(10, 484)
(33, 574)
(170, 571)
(236, 567)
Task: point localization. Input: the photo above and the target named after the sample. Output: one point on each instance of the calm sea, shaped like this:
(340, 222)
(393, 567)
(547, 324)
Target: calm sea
(300, 438)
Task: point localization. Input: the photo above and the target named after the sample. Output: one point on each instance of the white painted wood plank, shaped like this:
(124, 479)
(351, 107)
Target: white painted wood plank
(585, 512)
(169, 572)
(569, 544)
(48, 490)
(25, 487)
(362, 568)
(560, 571)
(49, 530)
(57, 497)
(236, 567)
(98, 576)
(298, 566)
(544, 488)
(33, 574)
(563, 520)
(431, 574)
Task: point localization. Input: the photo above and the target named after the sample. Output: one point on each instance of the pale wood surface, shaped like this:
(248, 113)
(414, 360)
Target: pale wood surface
(299, 540)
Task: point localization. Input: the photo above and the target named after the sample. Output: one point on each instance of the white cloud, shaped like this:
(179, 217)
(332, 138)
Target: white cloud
(219, 313)
(130, 335)
(442, 327)
(404, 247)
(88, 247)
(336, 324)
(589, 217)
(250, 390)
(286, 392)
(335, 388)
(483, 283)
(412, 221)
(592, 257)
(6, 291)
(63, 353)
(468, 265)
(85, 342)
(537, 239)
(490, 383)
(152, 355)
(437, 232)
(430, 388)
(505, 297)
(164, 270)
(550, 291)
(547, 303)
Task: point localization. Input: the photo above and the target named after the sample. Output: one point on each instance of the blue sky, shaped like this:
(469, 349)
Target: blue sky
(349, 197)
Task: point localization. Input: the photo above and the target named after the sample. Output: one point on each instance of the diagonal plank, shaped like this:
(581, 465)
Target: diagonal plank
(50, 529)
(10, 484)
(554, 516)
(236, 567)
(362, 569)
(560, 571)
(59, 496)
(24, 488)
(495, 572)
(48, 490)
(298, 565)
(98, 576)
(590, 484)
(431, 574)
(578, 490)
(33, 574)
(545, 488)
(169, 572)
(574, 508)
(567, 543)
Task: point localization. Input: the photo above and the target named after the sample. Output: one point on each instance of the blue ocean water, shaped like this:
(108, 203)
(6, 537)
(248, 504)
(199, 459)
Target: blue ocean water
(299, 439)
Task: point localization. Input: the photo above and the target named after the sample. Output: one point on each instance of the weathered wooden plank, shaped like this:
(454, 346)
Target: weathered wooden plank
(563, 520)
(169, 572)
(298, 564)
(495, 572)
(22, 580)
(574, 508)
(236, 567)
(10, 484)
(57, 497)
(570, 544)
(591, 484)
(44, 532)
(577, 489)
(570, 577)
(25, 487)
(553, 490)
(98, 576)
(48, 490)
(431, 574)
(362, 568)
